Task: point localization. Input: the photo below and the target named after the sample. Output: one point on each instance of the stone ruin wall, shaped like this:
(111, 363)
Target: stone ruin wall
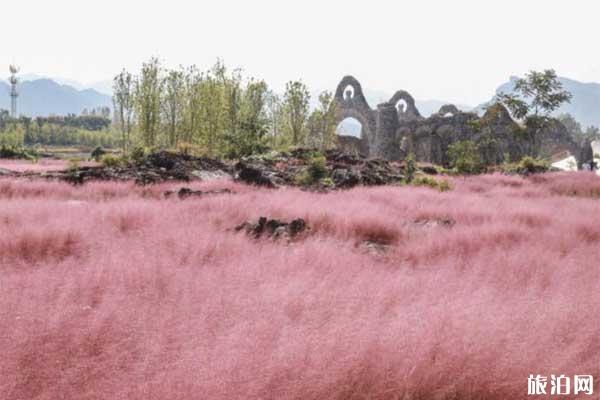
(396, 128)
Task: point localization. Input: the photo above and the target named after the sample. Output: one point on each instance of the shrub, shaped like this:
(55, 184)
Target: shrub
(410, 168)
(465, 158)
(423, 180)
(112, 161)
(316, 170)
(18, 153)
(98, 153)
(527, 166)
(138, 155)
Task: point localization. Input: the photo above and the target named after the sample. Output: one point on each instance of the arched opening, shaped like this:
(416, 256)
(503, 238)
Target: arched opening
(350, 127)
(401, 106)
(349, 92)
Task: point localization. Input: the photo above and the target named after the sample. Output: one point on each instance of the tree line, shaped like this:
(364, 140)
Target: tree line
(218, 112)
(71, 130)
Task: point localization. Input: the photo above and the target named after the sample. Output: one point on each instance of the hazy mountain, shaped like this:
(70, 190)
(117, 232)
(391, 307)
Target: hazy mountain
(104, 87)
(42, 97)
(584, 106)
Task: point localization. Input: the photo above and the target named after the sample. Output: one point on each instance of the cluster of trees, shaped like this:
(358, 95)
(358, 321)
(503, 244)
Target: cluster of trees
(534, 99)
(70, 130)
(90, 122)
(218, 111)
(575, 129)
(98, 112)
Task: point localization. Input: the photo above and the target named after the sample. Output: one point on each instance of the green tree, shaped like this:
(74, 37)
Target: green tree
(322, 122)
(13, 135)
(464, 157)
(274, 110)
(123, 99)
(592, 133)
(192, 113)
(534, 99)
(173, 101)
(296, 108)
(212, 113)
(147, 99)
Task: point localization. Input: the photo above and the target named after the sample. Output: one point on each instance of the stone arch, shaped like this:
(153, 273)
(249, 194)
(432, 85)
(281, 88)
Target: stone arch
(355, 106)
(410, 110)
(448, 109)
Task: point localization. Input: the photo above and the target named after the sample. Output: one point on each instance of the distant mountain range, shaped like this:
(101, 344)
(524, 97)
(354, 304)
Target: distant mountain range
(584, 106)
(43, 97)
(104, 87)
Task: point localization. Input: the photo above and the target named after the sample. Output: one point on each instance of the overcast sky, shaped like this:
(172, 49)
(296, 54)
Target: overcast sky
(457, 51)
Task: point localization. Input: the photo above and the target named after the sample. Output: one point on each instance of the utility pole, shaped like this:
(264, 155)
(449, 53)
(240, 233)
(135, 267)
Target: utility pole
(14, 70)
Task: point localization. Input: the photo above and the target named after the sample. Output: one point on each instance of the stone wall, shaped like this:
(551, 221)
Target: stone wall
(396, 128)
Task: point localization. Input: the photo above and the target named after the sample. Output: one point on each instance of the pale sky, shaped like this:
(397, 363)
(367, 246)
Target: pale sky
(457, 51)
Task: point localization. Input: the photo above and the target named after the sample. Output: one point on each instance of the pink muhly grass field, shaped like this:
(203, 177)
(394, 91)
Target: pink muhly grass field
(42, 165)
(110, 291)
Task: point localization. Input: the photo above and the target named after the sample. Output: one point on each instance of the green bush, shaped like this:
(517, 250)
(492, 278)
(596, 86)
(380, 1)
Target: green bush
(527, 166)
(18, 153)
(98, 153)
(465, 158)
(315, 172)
(423, 180)
(317, 168)
(112, 161)
(138, 155)
(411, 168)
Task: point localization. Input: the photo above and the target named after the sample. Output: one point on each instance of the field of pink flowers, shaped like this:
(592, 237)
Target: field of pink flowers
(110, 291)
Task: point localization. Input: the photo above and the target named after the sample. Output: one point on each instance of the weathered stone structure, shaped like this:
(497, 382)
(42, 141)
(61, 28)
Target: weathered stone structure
(396, 128)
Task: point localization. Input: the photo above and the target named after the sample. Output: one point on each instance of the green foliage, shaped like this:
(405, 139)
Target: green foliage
(315, 172)
(464, 157)
(18, 153)
(248, 133)
(575, 130)
(322, 123)
(424, 180)
(216, 112)
(474, 124)
(51, 134)
(138, 155)
(123, 99)
(148, 90)
(411, 168)
(534, 99)
(13, 135)
(526, 166)
(89, 122)
(97, 153)
(296, 102)
(74, 164)
(112, 161)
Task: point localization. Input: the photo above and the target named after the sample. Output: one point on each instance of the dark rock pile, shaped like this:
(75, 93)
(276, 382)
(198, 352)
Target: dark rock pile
(273, 228)
(343, 170)
(155, 168)
(184, 193)
(444, 222)
(301, 167)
